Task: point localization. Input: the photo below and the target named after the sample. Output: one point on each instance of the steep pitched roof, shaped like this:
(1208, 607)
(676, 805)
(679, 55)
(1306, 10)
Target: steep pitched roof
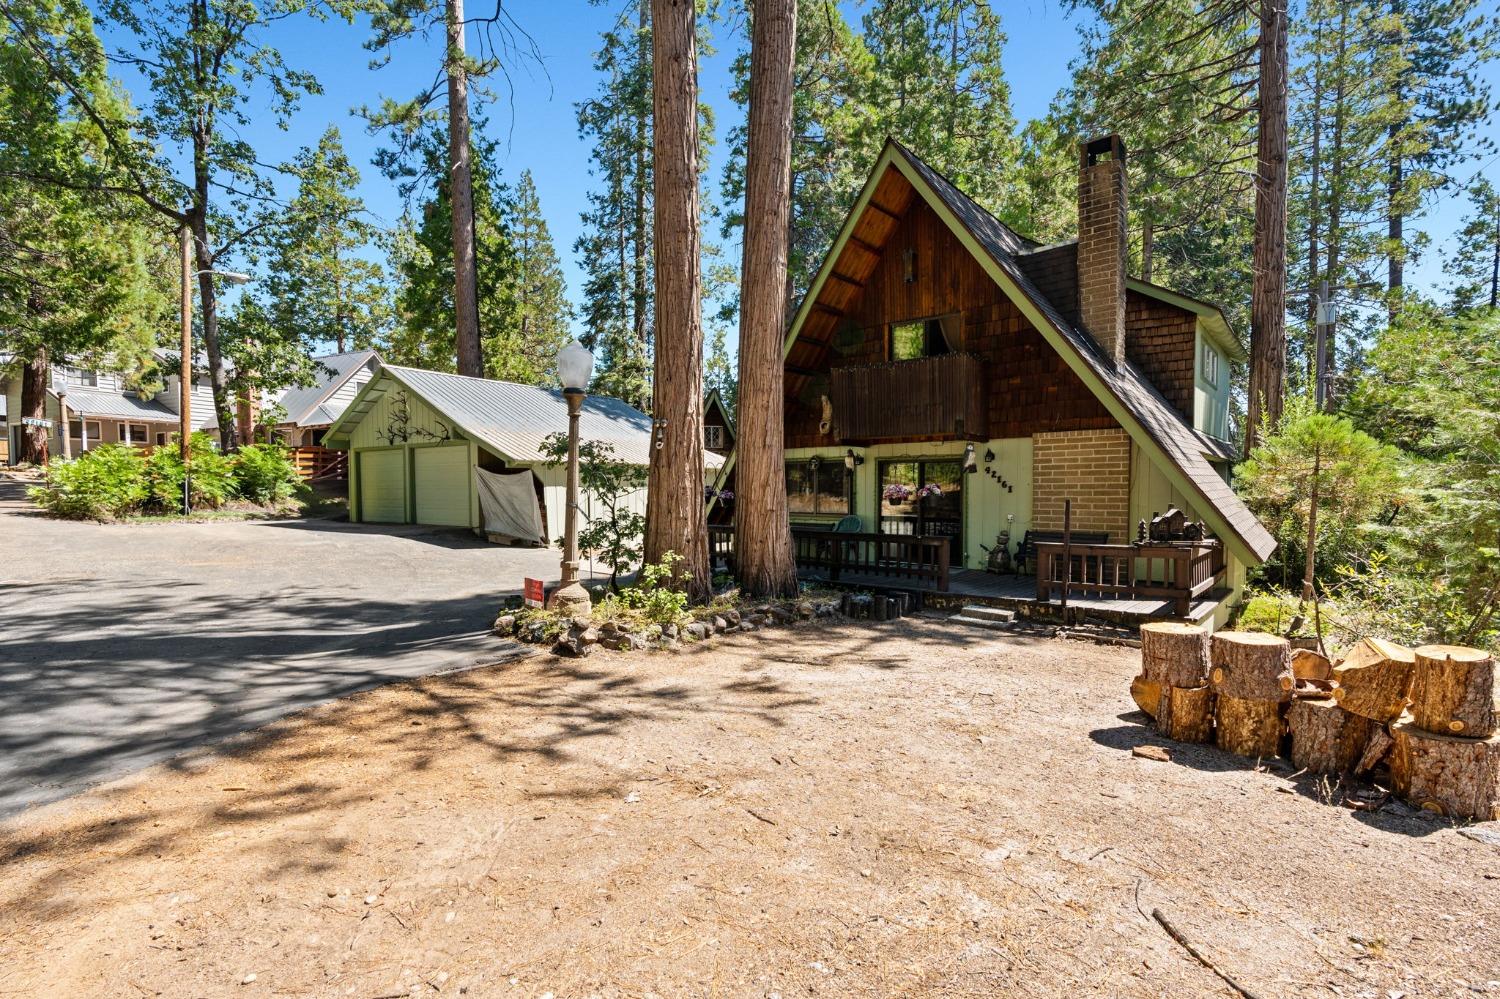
(307, 407)
(510, 419)
(716, 401)
(1129, 396)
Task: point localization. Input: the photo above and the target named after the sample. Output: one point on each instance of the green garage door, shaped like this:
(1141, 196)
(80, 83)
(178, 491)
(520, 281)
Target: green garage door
(442, 485)
(382, 487)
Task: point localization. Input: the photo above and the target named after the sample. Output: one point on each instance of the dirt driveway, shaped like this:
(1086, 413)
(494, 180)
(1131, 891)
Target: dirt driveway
(858, 811)
(122, 645)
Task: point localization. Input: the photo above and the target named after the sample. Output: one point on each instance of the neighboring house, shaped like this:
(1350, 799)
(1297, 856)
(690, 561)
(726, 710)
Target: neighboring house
(101, 410)
(420, 443)
(718, 437)
(934, 336)
(307, 413)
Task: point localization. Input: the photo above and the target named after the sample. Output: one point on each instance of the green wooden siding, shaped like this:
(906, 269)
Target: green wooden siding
(382, 485)
(441, 482)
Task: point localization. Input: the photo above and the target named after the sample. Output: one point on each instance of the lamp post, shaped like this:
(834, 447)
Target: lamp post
(574, 367)
(185, 373)
(60, 389)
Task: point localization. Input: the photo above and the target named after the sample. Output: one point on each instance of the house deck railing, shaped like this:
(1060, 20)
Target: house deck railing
(320, 462)
(919, 561)
(1177, 571)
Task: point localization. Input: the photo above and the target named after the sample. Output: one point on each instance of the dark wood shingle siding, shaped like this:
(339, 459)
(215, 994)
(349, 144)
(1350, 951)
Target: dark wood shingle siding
(1161, 342)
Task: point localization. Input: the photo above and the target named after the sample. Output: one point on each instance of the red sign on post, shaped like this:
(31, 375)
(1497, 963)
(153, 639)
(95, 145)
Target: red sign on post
(535, 594)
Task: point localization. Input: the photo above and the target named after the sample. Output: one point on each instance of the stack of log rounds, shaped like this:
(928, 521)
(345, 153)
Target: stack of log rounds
(1252, 678)
(1174, 668)
(1326, 739)
(1452, 775)
(1373, 680)
(1453, 691)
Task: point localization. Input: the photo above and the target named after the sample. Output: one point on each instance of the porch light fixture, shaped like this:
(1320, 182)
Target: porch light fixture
(989, 455)
(852, 460)
(970, 465)
(909, 265)
(574, 366)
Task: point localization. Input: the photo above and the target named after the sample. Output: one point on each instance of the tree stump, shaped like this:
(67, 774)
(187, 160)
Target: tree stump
(1174, 654)
(1248, 726)
(1186, 713)
(1374, 679)
(1251, 665)
(1326, 739)
(1146, 694)
(1447, 774)
(1310, 665)
(1453, 691)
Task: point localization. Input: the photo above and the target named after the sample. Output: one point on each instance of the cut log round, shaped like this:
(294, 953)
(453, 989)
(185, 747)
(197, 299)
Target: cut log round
(1174, 654)
(1146, 693)
(1453, 690)
(1447, 774)
(1186, 713)
(1252, 665)
(1326, 739)
(1374, 679)
(1375, 750)
(1248, 727)
(1310, 665)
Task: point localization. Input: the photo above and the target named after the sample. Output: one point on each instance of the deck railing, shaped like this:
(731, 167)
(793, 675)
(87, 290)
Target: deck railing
(320, 462)
(846, 557)
(1176, 571)
(927, 397)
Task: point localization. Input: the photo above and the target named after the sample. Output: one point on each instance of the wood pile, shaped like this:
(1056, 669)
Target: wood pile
(1432, 715)
(1252, 680)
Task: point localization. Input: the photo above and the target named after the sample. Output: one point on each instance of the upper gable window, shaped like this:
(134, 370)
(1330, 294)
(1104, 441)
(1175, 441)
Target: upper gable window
(924, 337)
(1210, 365)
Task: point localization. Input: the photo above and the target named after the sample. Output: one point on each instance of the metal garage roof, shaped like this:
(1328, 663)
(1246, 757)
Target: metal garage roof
(510, 419)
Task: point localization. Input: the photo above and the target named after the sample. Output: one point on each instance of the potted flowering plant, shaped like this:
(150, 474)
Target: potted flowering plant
(897, 492)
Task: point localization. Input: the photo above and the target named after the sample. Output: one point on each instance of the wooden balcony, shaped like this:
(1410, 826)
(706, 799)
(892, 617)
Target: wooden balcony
(933, 398)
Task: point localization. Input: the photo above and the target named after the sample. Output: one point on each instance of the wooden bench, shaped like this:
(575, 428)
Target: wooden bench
(1026, 551)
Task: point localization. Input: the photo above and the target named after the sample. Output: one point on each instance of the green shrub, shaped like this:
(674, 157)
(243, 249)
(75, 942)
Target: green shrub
(1270, 612)
(264, 474)
(104, 482)
(211, 474)
(656, 593)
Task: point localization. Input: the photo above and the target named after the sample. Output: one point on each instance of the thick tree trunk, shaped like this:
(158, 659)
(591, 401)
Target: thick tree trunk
(1174, 654)
(676, 518)
(1268, 293)
(1248, 727)
(34, 406)
(461, 191)
(763, 537)
(1186, 713)
(639, 295)
(1446, 774)
(1253, 665)
(1326, 739)
(1453, 690)
(1373, 679)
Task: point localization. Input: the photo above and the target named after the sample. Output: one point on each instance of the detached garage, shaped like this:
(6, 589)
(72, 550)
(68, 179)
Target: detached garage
(424, 447)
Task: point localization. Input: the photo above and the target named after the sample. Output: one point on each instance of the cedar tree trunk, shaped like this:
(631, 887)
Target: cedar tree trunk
(763, 538)
(1268, 295)
(34, 406)
(676, 514)
(461, 198)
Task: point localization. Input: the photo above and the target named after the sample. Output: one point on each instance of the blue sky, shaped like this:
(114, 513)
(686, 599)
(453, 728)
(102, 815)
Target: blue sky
(536, 124)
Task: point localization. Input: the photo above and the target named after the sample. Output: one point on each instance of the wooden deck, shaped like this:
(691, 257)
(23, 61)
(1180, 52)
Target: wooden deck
(1018, 593)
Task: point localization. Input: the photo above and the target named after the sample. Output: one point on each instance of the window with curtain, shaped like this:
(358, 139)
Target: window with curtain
(819, 486)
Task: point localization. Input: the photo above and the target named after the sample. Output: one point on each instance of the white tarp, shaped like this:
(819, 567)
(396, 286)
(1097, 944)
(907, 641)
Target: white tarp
(508, 502)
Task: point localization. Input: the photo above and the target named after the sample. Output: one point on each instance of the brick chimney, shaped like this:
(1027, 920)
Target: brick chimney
(1101, 244)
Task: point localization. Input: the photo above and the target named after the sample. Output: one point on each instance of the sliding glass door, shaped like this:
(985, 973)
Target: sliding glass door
(924, 498)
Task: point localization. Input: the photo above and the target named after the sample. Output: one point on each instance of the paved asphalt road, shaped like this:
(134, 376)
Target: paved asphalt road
(124, 645)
